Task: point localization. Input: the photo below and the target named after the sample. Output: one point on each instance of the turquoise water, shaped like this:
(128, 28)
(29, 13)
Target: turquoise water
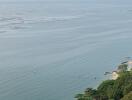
(52, 50)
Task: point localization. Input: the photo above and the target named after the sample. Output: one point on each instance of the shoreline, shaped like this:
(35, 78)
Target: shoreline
(118, 87)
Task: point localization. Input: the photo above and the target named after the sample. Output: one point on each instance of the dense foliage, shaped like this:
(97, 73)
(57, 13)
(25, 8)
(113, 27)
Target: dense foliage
(128, 96)
(122, 67)
(119, 89)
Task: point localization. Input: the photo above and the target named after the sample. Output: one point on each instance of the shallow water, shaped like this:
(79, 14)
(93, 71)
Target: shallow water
(52, 50)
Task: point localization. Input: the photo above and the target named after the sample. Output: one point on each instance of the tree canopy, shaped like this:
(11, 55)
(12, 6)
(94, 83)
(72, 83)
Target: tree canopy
(120, 89)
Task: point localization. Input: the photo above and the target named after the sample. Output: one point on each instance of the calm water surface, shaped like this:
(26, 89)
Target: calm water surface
(52, 50)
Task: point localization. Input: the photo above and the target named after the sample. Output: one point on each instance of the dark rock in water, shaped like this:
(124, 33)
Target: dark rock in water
(124, 62)
(95, 78)
(106, 73)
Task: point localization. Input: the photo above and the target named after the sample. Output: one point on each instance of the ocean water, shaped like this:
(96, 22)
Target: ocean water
(54, 49)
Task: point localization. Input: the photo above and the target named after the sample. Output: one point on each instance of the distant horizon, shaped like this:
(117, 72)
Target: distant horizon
(80, 1)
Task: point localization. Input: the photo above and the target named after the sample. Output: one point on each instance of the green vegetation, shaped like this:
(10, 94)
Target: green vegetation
(128, 96)
(122, 67)
(119, 89)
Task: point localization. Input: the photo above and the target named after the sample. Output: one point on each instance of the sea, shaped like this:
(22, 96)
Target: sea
(55, 49)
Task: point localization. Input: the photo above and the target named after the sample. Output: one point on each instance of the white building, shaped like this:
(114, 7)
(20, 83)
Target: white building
(115, 75)
(129, 65)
